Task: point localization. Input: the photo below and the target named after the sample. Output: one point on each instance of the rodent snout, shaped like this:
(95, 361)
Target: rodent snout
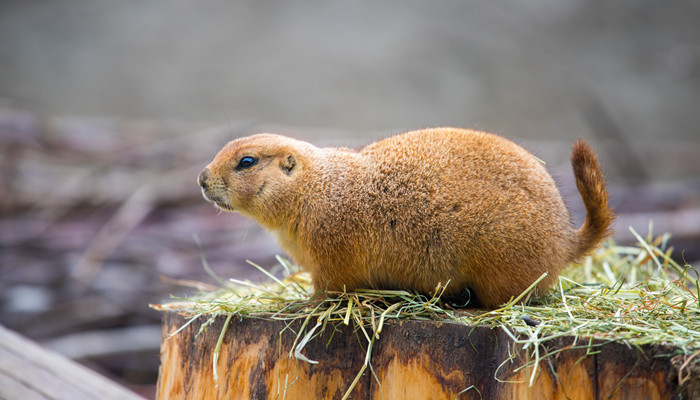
(203, 177)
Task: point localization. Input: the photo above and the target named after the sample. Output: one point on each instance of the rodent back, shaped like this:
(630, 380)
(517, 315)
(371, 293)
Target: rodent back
(428, 203)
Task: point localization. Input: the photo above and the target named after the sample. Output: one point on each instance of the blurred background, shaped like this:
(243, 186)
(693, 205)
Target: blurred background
(109, 110)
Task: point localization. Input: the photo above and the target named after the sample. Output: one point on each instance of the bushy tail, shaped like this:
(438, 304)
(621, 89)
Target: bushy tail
(591, 185)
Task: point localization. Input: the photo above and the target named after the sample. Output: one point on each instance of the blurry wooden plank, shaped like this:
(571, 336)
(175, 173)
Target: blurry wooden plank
(411, 360)
(10, 388)
(28, 371)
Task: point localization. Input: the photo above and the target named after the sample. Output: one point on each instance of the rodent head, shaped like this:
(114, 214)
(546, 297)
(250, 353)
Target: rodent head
(256, 176)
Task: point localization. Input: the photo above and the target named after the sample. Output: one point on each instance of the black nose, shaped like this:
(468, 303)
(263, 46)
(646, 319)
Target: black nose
(203, 176)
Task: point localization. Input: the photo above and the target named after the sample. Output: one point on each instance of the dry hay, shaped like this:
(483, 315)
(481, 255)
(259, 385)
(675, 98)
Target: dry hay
(637, 294)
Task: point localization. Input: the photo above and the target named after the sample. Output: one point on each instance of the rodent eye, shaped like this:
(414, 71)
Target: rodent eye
(247, 162)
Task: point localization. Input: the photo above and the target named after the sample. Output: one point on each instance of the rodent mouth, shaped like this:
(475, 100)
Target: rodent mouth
(218, 201)
(224, 206)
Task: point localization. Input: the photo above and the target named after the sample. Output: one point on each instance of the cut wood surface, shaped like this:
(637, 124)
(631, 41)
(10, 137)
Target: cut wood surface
(410, 360)
(29, 372)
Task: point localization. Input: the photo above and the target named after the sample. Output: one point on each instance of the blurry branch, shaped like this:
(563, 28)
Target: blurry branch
(93, 344)
(620, 149)
(679, 223)
(201, 286)
(129, 215)
(55, 165)
(18, 130)
(71, 315)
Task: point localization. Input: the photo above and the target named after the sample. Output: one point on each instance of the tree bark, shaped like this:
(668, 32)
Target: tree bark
(410, 360)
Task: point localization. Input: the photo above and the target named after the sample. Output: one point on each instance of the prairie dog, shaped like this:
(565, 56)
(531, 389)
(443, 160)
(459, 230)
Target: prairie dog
(414, 210)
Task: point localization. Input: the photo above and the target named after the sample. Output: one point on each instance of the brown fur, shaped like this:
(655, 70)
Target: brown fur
(414, 210)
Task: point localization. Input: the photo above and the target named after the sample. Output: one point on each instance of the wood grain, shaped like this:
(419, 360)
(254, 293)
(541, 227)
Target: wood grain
(411, 360)
(29, 372)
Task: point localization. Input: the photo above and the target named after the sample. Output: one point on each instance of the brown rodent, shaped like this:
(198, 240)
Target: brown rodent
(414, 210)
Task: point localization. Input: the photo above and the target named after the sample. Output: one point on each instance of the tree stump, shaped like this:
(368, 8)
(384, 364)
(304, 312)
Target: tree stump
(410, 360)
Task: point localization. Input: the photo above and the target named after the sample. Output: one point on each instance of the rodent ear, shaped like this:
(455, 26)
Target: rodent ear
(288, 163)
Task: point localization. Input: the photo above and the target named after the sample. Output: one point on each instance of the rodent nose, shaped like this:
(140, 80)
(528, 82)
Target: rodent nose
(203, 176)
